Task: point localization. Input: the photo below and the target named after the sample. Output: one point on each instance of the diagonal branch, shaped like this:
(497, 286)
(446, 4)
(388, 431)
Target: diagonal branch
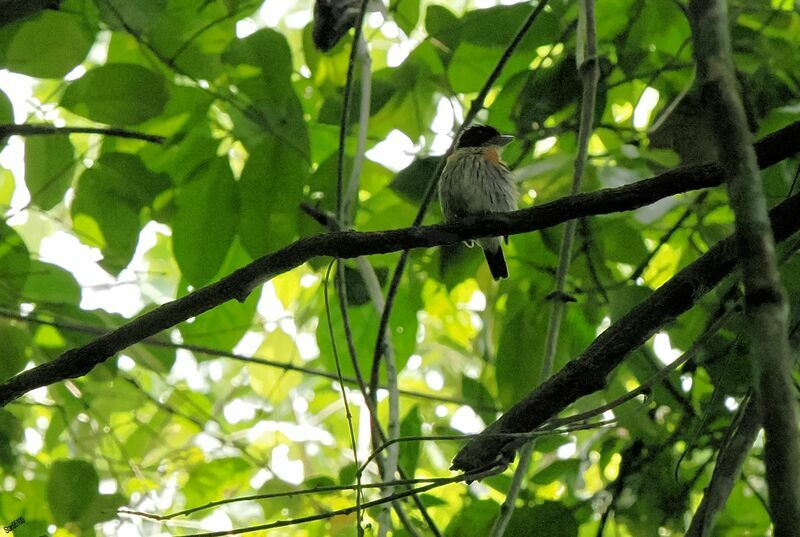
(587, 373)
(347, 244)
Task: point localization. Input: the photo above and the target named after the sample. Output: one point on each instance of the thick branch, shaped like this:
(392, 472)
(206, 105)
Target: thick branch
(348, 244)
(765, 298)
(587, 373)
(26, 129)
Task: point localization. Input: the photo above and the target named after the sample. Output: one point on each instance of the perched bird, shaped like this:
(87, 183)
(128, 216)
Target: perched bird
(475, 181)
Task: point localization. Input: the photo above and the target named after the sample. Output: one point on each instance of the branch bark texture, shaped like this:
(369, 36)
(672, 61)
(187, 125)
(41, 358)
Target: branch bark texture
(765, 300)
(348, 244)
(587, 373)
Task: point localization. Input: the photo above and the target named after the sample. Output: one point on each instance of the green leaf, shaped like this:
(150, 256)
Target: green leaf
(205, 223)
(412, 181)
(551, 519)
(104, 507)
(406, 14)
(443, 25)
(478, 396)
(49, 45)
(117, 94)
(71, 489)
(14, 265)
(222, 327)
(208, 481)
(519, 354)
(15, 344)
(621, 241)
(272, 188)
(105, 215)
(561, 470)
(49, 163)
(485, 35)
(10, 434)
(48, 283)
(475, 518)
(411, 425)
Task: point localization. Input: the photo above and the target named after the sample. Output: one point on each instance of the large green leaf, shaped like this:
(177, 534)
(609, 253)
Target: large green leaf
(49, 45)
(49, 164)
(117, 94)
(205, 223)
(71, 489)
(14, 265)
(272, 188)
(15, 341)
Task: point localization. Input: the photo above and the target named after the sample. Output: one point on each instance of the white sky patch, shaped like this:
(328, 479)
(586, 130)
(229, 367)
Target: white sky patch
(390, 30)
(603, 326)
(261, 477)
(731, 403)
(444, 118)
(269, 305)
(286, 469)
(100, 289)
(298, 19)
(414, 362)
(440, 144)
(645, 107)
(217, 521)
(663, 349)
(33, 441)
(307, 345)
(544, 145)
(434, 380)
(185, 369)
(398, 53)
(245, 27)
(239, 410)
(395, 152)
(567, 450)
(465, 420)
(686, 382)
(307, 280)
(249, 343)
(292, 431)
(125, 362)
(271, 13)
(477, 302)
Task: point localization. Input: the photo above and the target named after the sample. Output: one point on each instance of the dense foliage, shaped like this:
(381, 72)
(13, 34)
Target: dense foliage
(244, 399)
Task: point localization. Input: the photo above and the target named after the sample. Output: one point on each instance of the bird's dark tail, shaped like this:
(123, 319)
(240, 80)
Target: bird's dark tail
(497, 263)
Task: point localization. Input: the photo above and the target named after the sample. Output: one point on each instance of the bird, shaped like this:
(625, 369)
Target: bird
(474, 182)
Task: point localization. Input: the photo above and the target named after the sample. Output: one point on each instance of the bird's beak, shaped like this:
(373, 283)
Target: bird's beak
(502, 140)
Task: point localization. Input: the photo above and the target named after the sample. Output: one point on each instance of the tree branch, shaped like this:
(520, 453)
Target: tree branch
(347, 244)
(765, 299)
(587, 373)
(25, 129)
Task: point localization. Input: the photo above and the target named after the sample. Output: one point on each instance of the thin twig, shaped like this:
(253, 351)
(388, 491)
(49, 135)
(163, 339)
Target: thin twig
(589, 69)
(348, 510)
(208, 351)
(26, 129)
(348, 415)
